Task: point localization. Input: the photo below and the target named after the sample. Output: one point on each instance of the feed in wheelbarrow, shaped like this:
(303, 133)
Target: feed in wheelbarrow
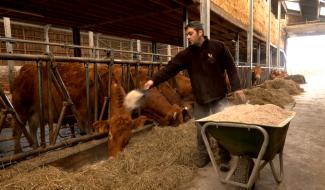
(265, 115)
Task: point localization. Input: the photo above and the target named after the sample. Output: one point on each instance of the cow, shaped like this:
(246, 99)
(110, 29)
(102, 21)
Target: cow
(277, 73)
(183, 87)
(171, 95)
(256, 75)
(25, 96)
(247, 80)
(120, 124)
(119, 132)
(157, 106)
(174, 98)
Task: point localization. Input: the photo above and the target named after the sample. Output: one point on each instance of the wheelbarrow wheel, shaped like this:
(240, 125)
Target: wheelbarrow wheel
(244, 170)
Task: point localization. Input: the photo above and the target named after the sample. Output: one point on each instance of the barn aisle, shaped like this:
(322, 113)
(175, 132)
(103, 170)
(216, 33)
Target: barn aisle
(304, 151)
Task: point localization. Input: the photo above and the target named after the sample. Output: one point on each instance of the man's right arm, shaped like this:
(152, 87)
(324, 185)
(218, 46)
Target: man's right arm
(175, 65)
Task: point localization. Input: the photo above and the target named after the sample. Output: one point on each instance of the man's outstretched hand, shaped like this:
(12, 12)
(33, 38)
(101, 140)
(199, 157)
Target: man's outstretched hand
(148, 84)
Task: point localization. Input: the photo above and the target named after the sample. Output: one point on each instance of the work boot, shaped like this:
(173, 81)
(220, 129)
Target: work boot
(225, 158)
(202, 161)
(224, 164)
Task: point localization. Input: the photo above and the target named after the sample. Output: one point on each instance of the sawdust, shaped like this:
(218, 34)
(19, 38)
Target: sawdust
(265, 115)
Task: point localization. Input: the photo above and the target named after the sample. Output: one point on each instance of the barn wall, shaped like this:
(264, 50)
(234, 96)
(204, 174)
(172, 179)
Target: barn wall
(238, 10)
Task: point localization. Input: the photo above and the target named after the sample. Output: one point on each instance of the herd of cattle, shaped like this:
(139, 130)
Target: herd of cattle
(167, 105)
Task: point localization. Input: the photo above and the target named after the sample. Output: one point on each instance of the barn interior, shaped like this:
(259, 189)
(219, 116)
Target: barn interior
(147, 34)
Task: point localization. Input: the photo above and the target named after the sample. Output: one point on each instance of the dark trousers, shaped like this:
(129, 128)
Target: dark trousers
(204, 110)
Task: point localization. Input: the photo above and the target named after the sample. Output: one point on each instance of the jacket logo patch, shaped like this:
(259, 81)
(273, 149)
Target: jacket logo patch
(210, 55)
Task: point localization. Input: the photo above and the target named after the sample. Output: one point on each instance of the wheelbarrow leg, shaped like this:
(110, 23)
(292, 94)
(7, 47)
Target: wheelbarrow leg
(278, 178)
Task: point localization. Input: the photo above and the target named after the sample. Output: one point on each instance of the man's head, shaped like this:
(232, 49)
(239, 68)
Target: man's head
(195, 33)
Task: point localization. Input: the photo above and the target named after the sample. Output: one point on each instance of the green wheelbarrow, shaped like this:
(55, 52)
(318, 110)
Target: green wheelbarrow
(255, 142)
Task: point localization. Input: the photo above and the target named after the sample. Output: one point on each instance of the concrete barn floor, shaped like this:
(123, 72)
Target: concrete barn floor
(304, 150)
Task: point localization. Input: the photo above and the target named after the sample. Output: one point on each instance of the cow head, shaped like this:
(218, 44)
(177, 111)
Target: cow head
(101, 126)
(119, 133)
(175, 116)
(256, 74)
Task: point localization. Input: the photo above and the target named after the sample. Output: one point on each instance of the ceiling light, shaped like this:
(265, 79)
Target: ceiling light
(292, 5)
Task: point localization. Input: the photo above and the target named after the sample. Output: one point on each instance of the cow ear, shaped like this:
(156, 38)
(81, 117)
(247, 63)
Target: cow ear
(96, 124)
(174, 115)
(110, 135)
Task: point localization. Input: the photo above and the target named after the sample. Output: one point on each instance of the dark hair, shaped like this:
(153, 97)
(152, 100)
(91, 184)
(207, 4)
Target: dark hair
(197, 25)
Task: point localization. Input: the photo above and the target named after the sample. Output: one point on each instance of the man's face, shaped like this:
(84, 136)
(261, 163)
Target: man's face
(193, 36)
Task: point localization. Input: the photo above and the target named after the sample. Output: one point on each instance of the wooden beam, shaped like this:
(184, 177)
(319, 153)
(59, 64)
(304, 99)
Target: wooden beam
(305, 29)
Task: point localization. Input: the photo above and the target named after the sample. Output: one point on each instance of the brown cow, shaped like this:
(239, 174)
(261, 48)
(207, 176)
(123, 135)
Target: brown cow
(120, 124)
(277, 73)
(119, 128)
(117, 98)
(119, 132)
(25, 96)
(256, 75)
(183, 87)
(174, 98)
(171, 95)
(157, 106)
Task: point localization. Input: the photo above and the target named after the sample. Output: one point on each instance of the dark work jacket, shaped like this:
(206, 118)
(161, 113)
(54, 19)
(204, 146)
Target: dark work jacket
(206, 66)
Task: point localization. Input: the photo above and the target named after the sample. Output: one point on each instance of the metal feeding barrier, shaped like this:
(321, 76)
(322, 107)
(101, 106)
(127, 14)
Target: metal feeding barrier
(48, 62)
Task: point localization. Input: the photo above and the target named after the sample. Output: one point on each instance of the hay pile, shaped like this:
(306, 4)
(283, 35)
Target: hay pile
(290, 86)
(162, 158)
(278, 92)
(300, 79)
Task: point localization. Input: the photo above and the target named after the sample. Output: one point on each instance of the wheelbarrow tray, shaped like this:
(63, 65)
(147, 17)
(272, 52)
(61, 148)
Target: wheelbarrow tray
(240, 139)
(252, 140)
(243, 141)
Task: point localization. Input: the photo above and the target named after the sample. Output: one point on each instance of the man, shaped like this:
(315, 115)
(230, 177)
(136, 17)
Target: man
(206, 62)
